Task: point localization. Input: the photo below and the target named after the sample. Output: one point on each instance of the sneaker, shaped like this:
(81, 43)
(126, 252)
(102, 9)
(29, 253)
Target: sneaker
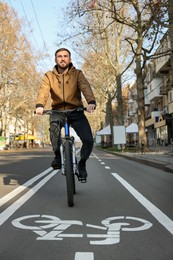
(56, 163)
(82, 170)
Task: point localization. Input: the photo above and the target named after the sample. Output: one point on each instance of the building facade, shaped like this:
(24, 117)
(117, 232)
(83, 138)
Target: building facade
(159, 97)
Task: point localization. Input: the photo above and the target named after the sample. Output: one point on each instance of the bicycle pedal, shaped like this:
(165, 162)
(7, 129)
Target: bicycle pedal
(82, 180)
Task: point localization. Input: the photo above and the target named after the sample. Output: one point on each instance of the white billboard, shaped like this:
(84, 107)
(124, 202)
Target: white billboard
(119, 134)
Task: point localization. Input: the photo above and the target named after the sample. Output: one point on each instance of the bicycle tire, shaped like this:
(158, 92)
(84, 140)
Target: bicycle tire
(68, 167)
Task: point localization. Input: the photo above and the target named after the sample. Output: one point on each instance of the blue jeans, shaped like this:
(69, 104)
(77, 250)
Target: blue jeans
(80, 124)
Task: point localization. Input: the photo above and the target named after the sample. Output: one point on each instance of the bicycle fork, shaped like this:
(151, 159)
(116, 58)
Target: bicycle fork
(62, 159)
(74, 161)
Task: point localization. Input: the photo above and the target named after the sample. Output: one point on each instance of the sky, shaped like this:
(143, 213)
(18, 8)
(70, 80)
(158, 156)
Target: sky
(44, 18)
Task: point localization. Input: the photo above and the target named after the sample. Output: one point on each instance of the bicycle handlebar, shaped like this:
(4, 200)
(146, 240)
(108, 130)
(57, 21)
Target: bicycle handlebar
(68, 111)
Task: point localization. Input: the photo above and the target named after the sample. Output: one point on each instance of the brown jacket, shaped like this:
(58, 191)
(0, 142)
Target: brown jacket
(65, 89)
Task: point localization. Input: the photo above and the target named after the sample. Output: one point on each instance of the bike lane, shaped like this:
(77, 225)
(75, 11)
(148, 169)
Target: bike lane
(105, 223)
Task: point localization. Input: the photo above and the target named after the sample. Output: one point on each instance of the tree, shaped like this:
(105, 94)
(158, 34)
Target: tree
(143, 23)
(142, 18)
(18, 81)
(104, 54)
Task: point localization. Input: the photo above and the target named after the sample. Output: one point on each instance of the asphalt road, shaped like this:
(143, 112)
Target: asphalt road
(124, 211)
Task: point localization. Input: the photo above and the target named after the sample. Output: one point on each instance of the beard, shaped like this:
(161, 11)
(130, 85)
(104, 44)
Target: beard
(63, 65)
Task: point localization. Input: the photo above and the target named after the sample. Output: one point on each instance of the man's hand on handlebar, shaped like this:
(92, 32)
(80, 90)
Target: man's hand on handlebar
(39, 110)
(90, 108)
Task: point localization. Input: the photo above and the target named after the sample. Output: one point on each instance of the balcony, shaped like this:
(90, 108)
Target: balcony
(154, 89)
(163, 64)
(170, 108)
(163, 91)
(146, 101)
(170, 86)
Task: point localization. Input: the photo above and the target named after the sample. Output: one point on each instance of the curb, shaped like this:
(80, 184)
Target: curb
(159, 165)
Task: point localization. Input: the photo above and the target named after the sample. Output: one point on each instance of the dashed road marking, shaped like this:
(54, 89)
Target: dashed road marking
(84, 256)
(163, 219)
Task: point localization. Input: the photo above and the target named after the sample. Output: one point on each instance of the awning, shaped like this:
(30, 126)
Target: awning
(105, 131)
(133, 128)
(25, 137)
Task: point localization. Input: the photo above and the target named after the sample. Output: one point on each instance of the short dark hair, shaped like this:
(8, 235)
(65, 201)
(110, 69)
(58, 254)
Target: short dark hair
(63, 49)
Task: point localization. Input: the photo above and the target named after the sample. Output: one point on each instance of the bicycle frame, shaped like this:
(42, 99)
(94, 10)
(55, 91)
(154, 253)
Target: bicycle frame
(67, 136)
(68, 155)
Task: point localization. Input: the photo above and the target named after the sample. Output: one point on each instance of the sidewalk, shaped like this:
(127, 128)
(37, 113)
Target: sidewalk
(159, 157)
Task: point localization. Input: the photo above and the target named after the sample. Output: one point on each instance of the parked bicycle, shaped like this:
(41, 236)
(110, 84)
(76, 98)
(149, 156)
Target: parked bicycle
(68, 155)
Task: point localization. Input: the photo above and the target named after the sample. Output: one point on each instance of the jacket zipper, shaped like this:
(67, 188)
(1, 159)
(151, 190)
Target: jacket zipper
(63, 90)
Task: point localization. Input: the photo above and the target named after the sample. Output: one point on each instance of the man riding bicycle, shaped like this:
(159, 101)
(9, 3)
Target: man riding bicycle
(66, 84)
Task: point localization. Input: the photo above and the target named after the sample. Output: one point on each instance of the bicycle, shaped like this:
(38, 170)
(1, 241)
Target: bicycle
(69, 165)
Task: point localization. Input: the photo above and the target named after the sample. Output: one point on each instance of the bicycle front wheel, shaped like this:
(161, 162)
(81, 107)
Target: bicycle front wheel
(68, 167)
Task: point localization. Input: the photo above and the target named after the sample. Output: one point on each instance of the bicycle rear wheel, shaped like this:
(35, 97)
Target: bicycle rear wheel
(68, 167)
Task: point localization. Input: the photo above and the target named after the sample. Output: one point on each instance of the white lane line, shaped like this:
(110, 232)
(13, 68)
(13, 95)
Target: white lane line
(156, 212)
(107, 167)
(18, 203)
(84, 256)
(15, 192)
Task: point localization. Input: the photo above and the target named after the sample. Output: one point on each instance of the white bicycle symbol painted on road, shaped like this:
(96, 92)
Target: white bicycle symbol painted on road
(52, 228)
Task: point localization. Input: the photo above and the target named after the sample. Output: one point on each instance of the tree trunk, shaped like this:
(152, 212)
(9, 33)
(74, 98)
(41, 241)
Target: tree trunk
(109, 118)
(140, 91)
(140, 98)
(120, 118)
